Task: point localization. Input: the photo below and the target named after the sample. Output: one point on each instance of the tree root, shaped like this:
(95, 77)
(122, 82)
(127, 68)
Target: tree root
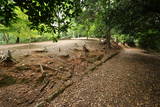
(7, 59)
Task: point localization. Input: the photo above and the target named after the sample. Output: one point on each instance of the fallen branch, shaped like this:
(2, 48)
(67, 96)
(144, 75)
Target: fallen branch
(48, 68)
(44, 86)
(103, 61)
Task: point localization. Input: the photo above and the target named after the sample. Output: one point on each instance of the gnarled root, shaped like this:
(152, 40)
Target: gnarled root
(7, 59)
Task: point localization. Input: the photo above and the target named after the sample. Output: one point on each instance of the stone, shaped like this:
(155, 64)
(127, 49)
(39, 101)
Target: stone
(64, 55)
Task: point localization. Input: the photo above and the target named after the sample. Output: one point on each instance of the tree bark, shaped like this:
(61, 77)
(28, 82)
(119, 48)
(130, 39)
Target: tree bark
(108, 40)
(108, 36)
(6, 37)
(17, 40)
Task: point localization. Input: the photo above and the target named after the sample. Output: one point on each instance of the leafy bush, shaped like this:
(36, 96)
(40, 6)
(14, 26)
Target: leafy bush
(125, 39)
(149, 39)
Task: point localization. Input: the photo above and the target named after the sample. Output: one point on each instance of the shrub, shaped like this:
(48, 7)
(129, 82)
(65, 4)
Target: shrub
(125, 39)
(149, 39)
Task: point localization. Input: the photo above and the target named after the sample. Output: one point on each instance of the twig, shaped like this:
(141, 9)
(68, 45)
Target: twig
(41, 68)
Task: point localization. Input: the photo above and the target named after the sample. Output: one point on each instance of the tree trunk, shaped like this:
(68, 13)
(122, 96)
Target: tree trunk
(87, 31)
(17, 40)
(108, 36)
(87, 36)
(108, 40)
(59, 28)
(59, 24)
(6, 37)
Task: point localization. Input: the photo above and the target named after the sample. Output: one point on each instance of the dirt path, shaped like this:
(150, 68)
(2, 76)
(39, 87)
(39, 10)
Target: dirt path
(19, 50)
(131, 79)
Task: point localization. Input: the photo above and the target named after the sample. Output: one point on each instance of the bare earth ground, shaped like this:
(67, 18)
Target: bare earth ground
(130, 78)
(44, 70)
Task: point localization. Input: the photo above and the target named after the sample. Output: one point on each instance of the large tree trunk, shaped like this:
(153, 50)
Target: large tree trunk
(108, 36)
(108, 41)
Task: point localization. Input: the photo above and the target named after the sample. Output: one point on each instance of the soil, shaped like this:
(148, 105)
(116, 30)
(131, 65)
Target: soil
(130, 79)
(44, 70)
(64, 75)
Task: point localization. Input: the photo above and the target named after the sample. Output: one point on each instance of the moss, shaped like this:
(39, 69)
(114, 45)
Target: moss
(6, 80)
(20, 68)
(23, 81)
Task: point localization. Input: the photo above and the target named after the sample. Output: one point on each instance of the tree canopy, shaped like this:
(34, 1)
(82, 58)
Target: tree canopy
(41, 13)
(137, 20)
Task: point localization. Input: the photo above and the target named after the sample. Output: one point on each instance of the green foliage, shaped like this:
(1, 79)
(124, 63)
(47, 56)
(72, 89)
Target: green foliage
(146, 40)
(132, 16)
(132, 21)
(7, 14)
(54, 15)
(138, 19)
(122, 38)
(149, 39)
(92, 22)
(20, 28)
(45, 16)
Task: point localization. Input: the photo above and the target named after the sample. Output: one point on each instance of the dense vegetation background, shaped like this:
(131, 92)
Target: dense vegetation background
(132, 22)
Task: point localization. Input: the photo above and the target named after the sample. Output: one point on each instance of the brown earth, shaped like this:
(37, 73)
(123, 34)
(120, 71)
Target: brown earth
(130, 79)
(63, 75)
(44, 70)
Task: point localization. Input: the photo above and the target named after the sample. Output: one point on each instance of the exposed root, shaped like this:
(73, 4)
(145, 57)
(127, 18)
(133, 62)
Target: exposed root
(44, 86)
(41, 50)
(85, 50)
(7, 59)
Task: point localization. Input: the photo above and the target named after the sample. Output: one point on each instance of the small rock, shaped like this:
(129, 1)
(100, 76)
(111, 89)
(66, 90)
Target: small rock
(65, 76)
(64, 55)
(50, 62)
(68, 83)
(61, 67)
